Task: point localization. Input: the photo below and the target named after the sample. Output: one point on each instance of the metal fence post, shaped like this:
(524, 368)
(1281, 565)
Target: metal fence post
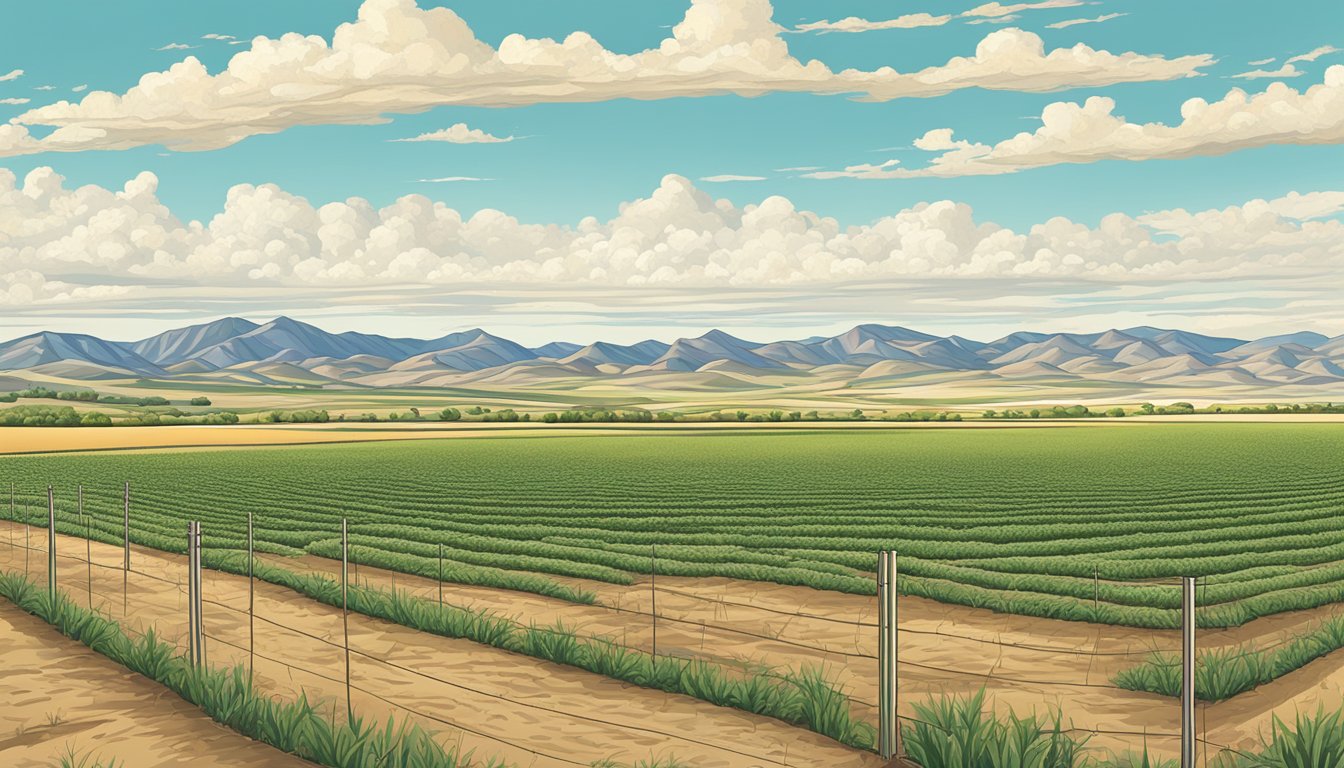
(1188, 672)
(251, 602)
(88, 543)
(888, 732)
(51, 541)
(126, 547)
(653, 596)
(345, 615)
(126, 528)
(195, 620)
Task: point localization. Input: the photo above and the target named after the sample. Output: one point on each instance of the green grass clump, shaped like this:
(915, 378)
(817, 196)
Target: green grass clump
(227, 695)
(72, 758)
(1314, 741)
(958, 732)
(1225, 672)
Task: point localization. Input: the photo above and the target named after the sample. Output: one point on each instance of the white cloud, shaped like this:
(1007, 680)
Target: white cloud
(799, 168)
(216, 36)
(1076, 22)
(724, 177)
(1287, 70)
(93, 244)
(79, 89)
(448, 179)
(13, 74)
(13, 100)
(459, 133)
(175, 47)
(45, 88)
(1314, 54)
(1261, 62)
(856, 24)
(1088, 132)
(998, 10)
(398, 58)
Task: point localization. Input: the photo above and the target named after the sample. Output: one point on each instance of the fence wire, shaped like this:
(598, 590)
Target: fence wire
(1022, 665)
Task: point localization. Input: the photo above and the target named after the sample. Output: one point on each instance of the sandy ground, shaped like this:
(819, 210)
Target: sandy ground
(55, 439)
(525, 711)
(1024, 664)
(58, 695)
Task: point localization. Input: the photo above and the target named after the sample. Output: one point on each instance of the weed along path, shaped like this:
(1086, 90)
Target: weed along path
(56, 695)
(493, 702)
(1023, 663)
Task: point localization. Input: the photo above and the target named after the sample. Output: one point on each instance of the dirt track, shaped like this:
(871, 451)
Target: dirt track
(525, 711)
(559, 713)
(59, 695)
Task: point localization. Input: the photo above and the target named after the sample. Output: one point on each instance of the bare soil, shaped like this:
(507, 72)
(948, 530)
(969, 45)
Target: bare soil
(57, 695)
(536, 713)
(491, 702)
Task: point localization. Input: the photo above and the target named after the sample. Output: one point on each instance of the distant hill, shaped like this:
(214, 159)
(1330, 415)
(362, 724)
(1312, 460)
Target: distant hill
(285, 351)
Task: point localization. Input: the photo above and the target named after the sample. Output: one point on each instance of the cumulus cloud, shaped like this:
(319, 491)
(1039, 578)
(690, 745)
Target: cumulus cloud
(459, 133)
(399, 58)
(13, 74)
(1076, 22)
(856, 24)
(1088, 132)
(96, 244)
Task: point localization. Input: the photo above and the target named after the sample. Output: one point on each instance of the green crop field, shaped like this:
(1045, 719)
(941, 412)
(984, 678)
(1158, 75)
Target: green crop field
(1086, 523)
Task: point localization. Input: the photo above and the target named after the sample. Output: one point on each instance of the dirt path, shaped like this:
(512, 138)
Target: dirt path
(525, 711)
(58, 695)
(1024, 663)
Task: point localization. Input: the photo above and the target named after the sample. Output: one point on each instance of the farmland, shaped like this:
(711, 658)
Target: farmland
(1089, 524)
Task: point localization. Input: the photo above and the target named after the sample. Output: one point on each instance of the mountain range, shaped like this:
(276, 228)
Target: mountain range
(289, 352)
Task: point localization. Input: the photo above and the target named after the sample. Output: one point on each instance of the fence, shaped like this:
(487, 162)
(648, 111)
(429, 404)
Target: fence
(1071, 675)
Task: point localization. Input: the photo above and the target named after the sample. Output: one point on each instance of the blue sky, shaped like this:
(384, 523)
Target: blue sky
(571, 160)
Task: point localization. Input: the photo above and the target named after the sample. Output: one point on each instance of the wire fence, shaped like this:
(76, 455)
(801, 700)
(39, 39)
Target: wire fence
(1069, 674)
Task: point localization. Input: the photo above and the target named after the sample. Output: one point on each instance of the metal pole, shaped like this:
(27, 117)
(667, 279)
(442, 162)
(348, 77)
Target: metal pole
(883, 684)
(440, 576)
(894, 674)
(51, 541)
(88, 543)
(200, 596)
(1188, 672)
(251, 602)
(126, 547)
(191, 593)
(653, 596)
(126, 528)
(27, 543)
(345, 615)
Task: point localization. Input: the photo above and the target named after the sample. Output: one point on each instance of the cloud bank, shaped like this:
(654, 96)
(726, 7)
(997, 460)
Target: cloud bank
(1091, 131)
(399, 58)
(61, 245)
